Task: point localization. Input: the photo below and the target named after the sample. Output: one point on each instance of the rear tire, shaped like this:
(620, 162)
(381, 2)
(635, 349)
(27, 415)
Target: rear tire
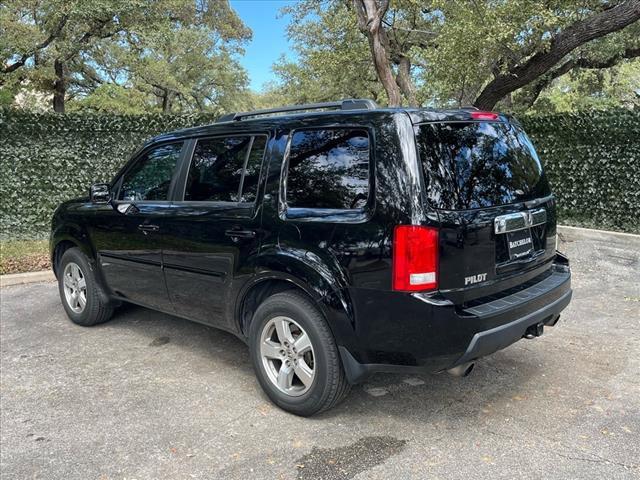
(302, 372)
(81, 296)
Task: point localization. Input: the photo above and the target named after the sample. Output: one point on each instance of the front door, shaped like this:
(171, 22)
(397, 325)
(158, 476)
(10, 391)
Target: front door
(213, 229)
(128, 233)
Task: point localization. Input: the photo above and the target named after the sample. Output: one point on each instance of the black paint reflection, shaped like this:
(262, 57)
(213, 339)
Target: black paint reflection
(328, 169)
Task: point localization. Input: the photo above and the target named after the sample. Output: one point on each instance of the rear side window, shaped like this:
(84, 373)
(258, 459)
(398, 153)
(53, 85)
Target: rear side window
(471, 165)
(150, 177)
(219, 166)
(328, 169)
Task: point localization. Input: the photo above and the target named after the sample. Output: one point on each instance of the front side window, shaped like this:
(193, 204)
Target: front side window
(217, 170)
(150, 177)
(328, 169)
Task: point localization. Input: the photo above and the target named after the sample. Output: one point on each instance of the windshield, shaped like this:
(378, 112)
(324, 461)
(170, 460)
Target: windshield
(479, 164)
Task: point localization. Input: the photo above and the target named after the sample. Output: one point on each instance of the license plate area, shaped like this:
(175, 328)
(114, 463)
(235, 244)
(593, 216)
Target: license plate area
(519, 243)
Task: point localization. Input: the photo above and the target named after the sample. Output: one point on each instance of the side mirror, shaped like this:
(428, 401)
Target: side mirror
(99, 193)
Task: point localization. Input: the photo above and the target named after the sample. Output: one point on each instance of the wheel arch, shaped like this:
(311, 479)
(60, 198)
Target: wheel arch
(66, 237)
(333, 302)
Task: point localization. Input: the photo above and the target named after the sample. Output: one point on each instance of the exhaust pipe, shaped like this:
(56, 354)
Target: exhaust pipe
(534, 331)
(462, 370)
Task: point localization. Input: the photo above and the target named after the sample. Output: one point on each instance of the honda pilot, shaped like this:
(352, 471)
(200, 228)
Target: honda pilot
(336, 240)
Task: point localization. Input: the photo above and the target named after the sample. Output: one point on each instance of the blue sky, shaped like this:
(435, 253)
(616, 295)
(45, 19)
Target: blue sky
(269, 37)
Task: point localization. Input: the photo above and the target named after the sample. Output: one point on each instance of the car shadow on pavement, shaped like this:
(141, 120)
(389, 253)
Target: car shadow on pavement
(203, 341)
(495, 383)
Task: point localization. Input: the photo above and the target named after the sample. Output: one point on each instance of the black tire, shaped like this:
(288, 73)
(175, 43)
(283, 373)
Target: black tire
(98, 308)
(329, 384)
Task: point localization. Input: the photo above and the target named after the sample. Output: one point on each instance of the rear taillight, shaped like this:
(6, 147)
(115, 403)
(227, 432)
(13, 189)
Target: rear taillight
(415, 258)
(480, 115)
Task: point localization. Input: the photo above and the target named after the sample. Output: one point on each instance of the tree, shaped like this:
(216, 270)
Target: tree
(61, 46)
(184, 67)
(477, 52)
(517, 74)
(615, 87)
(370, 15)
(42, 37)
(333, 56)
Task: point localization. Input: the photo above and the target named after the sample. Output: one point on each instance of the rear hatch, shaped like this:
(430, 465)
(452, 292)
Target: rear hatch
(496, 211)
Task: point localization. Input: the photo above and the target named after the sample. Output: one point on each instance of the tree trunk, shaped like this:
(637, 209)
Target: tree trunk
(403, 79)
(166, 102)
(370, 16)
(59, 87)
(564, 42)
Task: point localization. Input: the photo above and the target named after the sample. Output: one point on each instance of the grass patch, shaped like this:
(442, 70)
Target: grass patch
(18, 256)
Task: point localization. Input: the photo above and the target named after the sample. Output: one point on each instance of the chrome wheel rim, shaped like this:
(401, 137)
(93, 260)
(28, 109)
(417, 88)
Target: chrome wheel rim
(287, 356)
(75, 287)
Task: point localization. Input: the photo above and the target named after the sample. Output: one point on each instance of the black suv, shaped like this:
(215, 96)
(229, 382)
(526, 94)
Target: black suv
(336, 239)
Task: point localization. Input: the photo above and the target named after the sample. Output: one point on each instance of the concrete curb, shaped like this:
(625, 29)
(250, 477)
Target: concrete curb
(29, 277)
(595, 230)
(47, 275)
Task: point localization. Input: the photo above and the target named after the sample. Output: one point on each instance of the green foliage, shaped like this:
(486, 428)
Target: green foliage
(614, 87)
(47, 158)
(179, 55)
(333, 56)
(115, 99)
(592, 160)
(455, 48)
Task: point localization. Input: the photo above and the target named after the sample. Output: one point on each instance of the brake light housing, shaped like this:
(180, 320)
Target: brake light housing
(415, 258)
(480, 115)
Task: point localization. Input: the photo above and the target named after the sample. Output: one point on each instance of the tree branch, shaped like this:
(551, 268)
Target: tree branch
(370, 14)
(628, 53)
(572, 37)
(42, 45)
(538, 86)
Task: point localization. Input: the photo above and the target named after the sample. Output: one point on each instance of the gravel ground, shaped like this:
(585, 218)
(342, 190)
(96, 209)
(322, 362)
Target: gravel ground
(152, 396)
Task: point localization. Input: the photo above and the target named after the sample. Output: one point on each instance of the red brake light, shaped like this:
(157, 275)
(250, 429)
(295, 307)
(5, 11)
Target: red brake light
(415, 258)
(484, 116)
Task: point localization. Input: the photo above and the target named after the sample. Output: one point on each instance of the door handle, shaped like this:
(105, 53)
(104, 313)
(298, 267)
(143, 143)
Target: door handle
(146, 228)
(234, 234)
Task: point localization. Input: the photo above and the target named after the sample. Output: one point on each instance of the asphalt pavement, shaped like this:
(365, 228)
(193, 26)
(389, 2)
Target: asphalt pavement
(148, 396)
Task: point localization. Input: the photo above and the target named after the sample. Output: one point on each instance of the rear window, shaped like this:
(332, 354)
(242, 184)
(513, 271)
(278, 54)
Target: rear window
(471, 165)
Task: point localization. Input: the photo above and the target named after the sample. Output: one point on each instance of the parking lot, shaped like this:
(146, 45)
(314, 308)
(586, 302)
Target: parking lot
(148, 395)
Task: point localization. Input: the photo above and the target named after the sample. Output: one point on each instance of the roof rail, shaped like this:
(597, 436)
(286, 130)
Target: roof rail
(346, 104)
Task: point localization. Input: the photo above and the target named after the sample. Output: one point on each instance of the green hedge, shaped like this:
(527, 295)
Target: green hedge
(48, 158)
(592, 159)
(593, 162)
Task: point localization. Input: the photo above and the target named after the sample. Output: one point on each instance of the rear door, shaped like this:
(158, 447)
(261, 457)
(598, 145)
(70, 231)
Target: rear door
(495, 206)
(214, 226)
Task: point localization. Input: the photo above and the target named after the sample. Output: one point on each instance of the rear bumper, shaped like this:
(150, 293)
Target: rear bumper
(431, 336)
(494, 339)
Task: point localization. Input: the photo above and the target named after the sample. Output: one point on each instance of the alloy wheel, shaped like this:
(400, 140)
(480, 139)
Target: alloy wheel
(75, 287)
(287, 356)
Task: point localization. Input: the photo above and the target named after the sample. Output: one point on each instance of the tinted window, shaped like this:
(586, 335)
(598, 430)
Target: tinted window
(252, 171)
(216, 169)
(475, 165)
(328, 169)
(150, 177)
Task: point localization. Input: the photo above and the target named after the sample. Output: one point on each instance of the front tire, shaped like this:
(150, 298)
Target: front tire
(295, 356)
(80, 294)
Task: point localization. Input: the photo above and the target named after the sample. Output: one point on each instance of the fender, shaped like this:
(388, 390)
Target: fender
(319, 277)
(75, 234)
